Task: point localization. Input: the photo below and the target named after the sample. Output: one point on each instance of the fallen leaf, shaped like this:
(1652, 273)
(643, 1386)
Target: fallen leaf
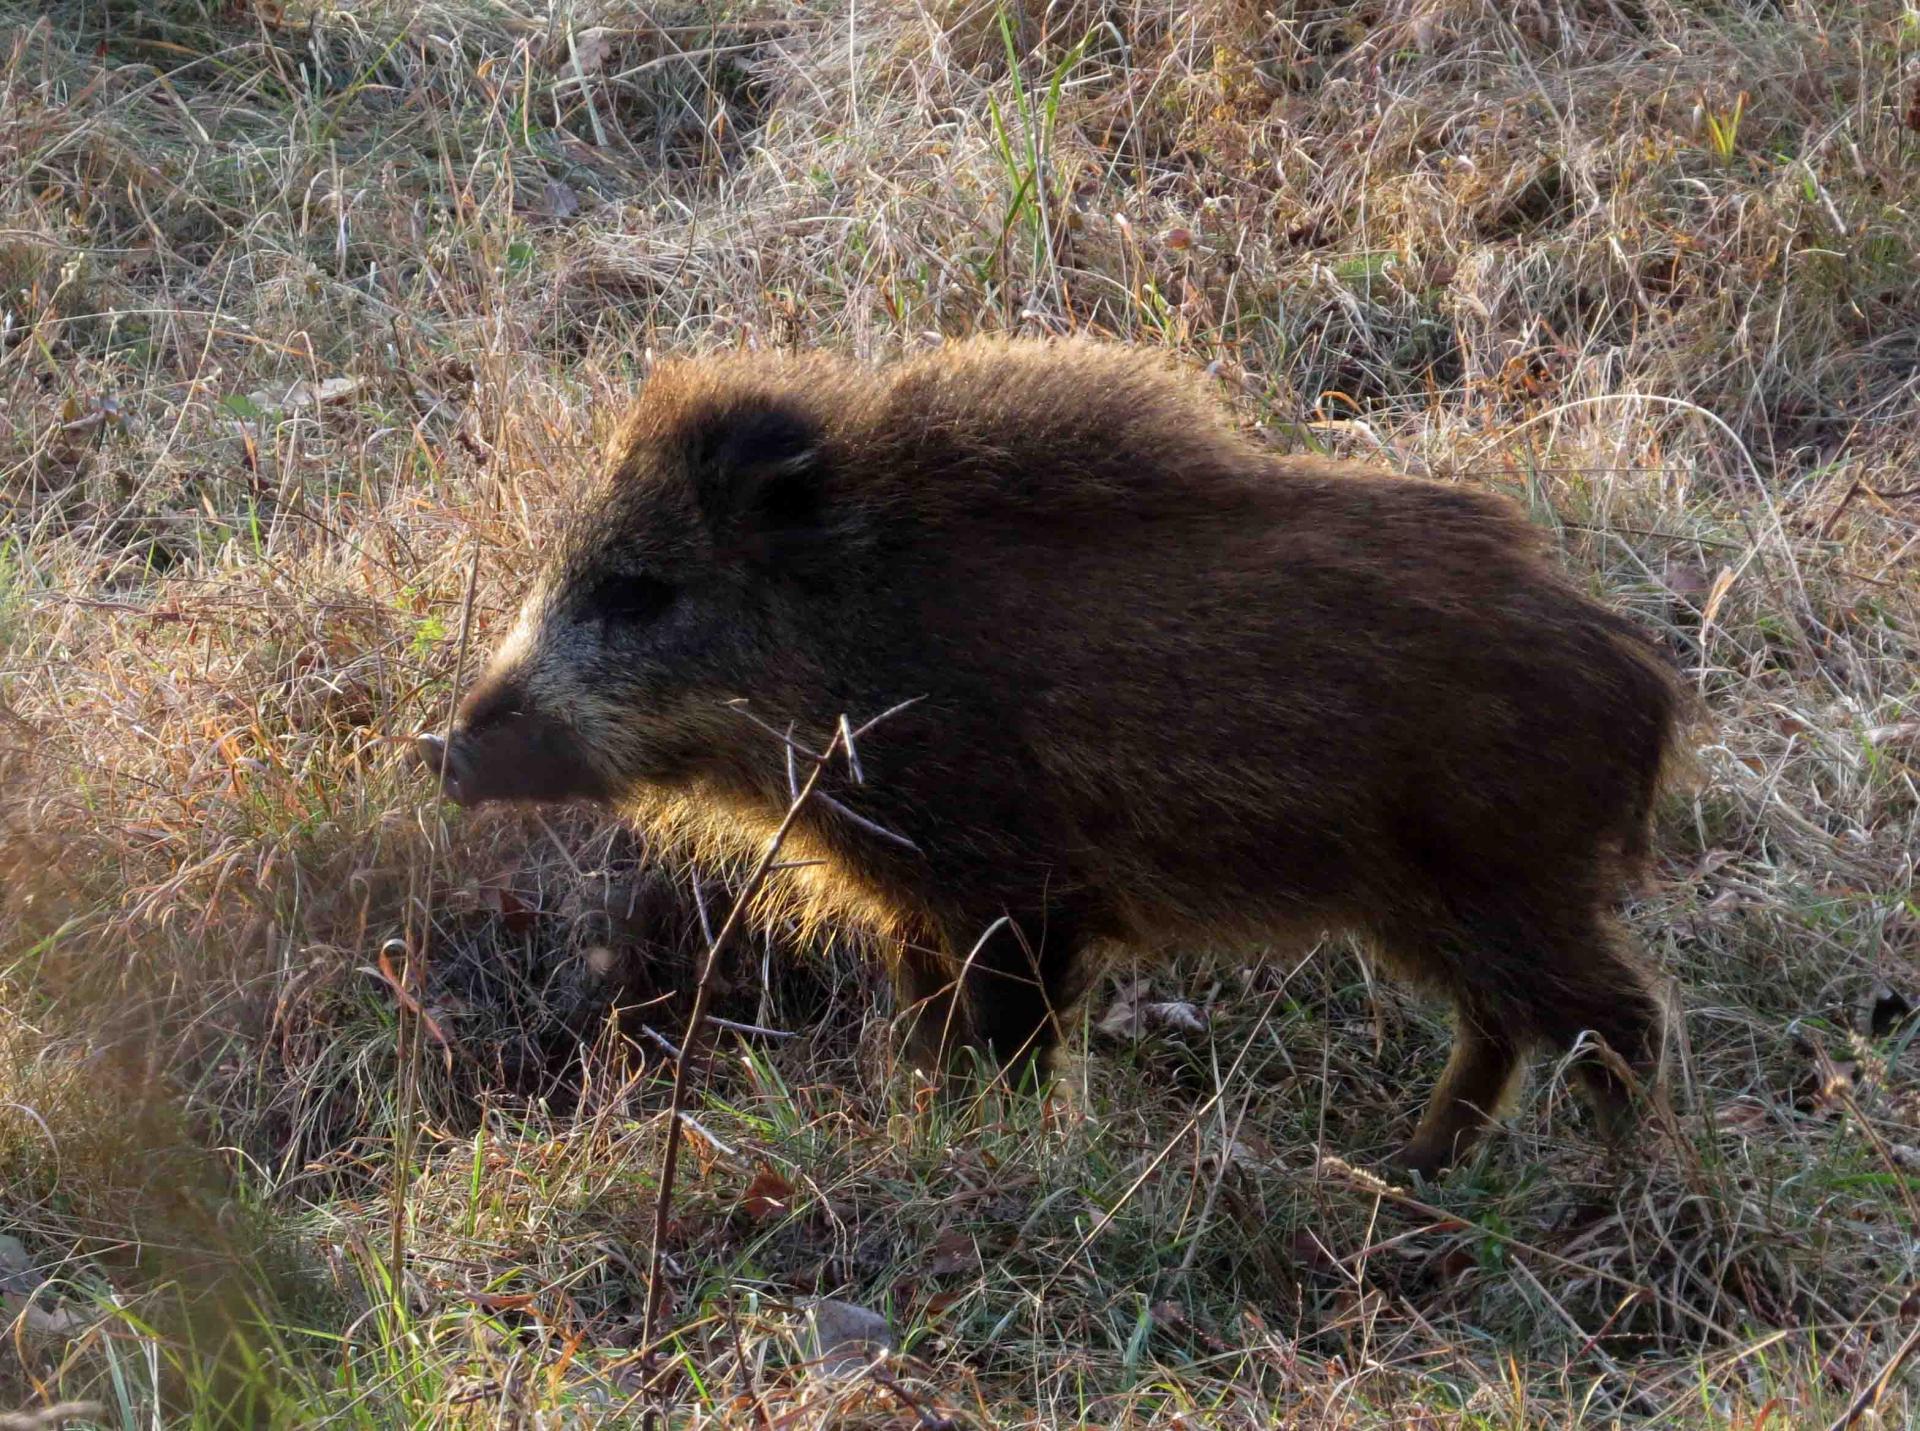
(1175, 1014)
(60, 1412)
(20, 1286)
(1310, 1252)
(1845, 1366)
(589, 50)
(1903, 733)
(320, 394)
(954, 1252)
(1685, 578)
(558, 201)
(1235, 1153)
(1131, 1014)
(844, 1337)
(1711, 861)
(768, 1195)
(501, 1301)
(940, 1303)
(1122, 1018)
(16, 1266)
(514, 912)
(56, 1321)
(1742, 1115)
(1168, 1313)
(410, 1003)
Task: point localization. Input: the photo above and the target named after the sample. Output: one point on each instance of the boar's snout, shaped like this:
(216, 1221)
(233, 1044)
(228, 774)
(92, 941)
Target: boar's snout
(516, 755)
(434, 752)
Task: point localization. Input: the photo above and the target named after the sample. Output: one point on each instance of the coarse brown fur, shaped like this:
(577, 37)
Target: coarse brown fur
(1173, 690)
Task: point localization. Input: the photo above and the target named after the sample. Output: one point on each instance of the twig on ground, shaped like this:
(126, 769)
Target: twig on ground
(1870, 1395)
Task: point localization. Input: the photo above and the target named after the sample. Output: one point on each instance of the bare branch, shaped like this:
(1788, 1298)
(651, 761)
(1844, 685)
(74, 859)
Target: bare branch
(888, 714)
(754, 1030)
(864, 823)
(853, 753)
(739, 707)
(653, 1033)
(696, 1020)
(687, 1120)
(700, 908)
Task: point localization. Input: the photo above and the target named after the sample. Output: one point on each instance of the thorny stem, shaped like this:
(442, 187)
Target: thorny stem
(696, 1020)
(409, 1031)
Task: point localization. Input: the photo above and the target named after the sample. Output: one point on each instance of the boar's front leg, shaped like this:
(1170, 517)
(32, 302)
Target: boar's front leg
(998, 988)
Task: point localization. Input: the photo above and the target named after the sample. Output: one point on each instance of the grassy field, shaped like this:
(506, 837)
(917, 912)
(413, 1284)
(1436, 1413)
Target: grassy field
(313, 1100)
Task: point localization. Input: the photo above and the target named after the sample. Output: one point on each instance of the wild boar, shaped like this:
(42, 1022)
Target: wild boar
(1173, 690)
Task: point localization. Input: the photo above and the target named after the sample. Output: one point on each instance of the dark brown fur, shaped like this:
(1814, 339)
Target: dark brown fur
(1175, 690)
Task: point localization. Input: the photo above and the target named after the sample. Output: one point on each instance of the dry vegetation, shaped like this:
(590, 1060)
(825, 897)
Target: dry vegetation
(301, 307)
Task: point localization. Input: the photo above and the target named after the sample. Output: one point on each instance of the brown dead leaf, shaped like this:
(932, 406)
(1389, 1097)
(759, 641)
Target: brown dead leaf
(407, 1001)
(1848, 1362)
(59, 1413)
(558, 200)
(587, 53)
(1123, 1014)
(844, 1337)
(1235, 1154)
(21, 1295)
(1168, 1313)
(1747, 1116)
(1711, 861)
(953, 1252)
(940, 1303)
(768, 1195)
(513, 911)
(57, 1321)
(1311, 1253)
(327, 390)
(1685, 579)
(501, 1301)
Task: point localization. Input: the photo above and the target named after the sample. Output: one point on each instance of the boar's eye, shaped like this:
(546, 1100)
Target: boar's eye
(627, 599)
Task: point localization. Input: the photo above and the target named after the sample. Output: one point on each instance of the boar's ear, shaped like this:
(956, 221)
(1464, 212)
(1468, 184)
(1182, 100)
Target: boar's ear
(758, 479)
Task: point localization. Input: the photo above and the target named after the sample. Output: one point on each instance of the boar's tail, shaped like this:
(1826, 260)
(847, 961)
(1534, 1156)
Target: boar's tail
(1665, 709)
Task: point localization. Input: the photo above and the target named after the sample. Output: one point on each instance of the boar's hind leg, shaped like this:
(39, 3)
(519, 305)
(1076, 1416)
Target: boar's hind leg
(1603, 988)
(1542, 978)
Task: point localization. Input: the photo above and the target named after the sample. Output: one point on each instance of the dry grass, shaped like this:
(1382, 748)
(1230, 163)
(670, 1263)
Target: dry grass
(300, 308)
